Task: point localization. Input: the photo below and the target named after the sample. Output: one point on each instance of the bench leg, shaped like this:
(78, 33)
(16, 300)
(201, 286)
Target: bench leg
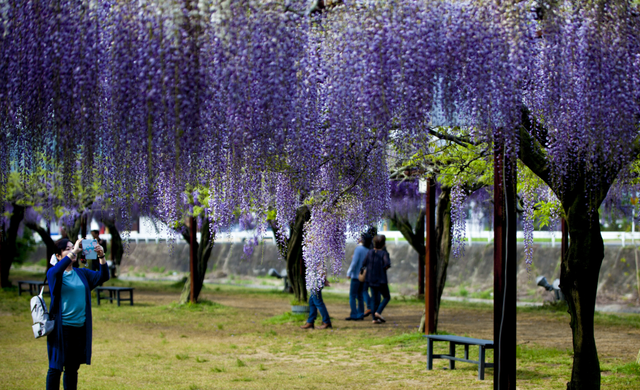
(131, 296)
(430, 355)
(452, 352)
(481, 363)
(466, 351)
(98, 297)
(118, 295)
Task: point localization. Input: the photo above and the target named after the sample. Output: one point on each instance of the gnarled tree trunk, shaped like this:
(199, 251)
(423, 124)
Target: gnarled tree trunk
(46, 239)
(9, 248)
(579, 273)
(296, 270)
(292, 252)
(580, 266)
(203, 252)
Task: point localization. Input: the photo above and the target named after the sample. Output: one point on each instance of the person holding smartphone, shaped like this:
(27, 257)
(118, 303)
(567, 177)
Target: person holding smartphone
(69, 345)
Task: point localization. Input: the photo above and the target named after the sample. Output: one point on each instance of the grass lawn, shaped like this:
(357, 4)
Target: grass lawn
(240, 338)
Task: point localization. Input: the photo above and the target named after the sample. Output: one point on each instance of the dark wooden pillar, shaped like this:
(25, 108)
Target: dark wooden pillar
(192, 256)
(504, 268)
(430, 259)
(564, 246)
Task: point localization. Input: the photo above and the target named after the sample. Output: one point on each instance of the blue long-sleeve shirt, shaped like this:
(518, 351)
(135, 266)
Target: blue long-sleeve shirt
(356, 262)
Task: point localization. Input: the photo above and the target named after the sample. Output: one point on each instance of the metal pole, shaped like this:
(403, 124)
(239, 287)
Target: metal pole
(430, 258)
(504, 268)
(192, 257)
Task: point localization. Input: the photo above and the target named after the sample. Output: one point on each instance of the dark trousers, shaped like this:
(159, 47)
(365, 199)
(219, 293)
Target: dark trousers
(75, 340)
(383, 290)
(356, 293)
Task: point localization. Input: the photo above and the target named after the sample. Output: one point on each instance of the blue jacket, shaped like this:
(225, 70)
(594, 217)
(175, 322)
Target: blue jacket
(356, 262)
(90, 279)
(377, 262)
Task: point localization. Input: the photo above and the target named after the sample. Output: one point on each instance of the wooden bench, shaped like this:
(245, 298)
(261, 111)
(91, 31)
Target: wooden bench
(457, 340)
(34, 286)
(114, 293)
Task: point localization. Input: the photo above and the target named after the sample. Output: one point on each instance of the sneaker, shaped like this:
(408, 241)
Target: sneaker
(380, 318)
(307, 325)
(376, 321)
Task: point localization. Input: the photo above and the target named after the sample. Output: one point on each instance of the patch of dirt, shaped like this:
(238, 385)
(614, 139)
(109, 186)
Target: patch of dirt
(532, 328)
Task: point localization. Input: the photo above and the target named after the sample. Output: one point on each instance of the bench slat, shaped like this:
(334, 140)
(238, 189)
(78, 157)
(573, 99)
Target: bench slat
(461, 340)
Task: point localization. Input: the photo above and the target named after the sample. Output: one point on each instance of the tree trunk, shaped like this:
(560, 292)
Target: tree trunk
(9, 248)
(292, 253)
(46, 239)
(443, 247)
(203, 252)
(579, 283)
(117, 249)
(581, 264)
(296, 270)
(415, 237)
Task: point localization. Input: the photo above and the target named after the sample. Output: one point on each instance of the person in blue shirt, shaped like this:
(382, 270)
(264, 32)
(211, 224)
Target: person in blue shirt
(356, 290)
(69, 345)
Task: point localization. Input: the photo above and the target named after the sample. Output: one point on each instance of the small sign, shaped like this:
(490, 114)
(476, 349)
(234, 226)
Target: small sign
(89, 249)
(422, 186)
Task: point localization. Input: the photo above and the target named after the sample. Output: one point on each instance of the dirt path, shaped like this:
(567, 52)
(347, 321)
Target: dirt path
(532, 328)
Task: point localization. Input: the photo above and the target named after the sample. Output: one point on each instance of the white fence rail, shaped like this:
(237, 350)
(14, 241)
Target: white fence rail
(540, 237)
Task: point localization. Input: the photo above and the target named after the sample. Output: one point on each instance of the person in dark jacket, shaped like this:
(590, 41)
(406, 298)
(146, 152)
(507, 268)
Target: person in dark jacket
(69, 345)
(377, 263)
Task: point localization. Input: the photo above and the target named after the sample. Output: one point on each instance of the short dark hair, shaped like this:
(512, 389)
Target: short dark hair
(61, 245)
(365, 238)
(378, 241)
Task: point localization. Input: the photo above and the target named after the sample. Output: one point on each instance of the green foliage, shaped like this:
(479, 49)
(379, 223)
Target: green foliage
(25, 245)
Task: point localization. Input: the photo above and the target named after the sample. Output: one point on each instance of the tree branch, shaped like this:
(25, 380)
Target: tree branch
(531, 153)
(458, 140)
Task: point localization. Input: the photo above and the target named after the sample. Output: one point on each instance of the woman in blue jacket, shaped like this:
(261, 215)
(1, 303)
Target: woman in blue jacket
(69, 345)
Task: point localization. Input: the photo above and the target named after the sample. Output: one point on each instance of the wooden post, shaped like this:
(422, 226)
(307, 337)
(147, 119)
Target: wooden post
(564, 246)
(430, 259)
(83, 227)
(504, 271)
(192, 256)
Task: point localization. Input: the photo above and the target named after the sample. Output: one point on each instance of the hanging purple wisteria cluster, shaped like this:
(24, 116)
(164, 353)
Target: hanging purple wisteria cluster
(266, 108)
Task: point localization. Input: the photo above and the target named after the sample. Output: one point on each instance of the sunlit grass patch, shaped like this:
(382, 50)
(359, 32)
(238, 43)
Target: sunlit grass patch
(285, 318)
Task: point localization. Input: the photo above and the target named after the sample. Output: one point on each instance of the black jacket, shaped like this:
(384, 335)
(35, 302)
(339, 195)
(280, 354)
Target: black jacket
(377, 262)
